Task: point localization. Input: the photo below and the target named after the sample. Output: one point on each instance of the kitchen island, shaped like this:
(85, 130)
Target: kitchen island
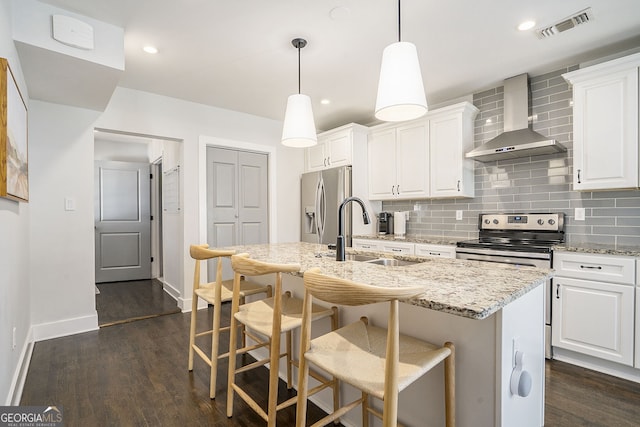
(487, 310)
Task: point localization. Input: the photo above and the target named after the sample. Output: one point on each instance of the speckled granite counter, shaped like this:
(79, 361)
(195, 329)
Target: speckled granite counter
(464, 288)
(433, 240)
(599, 249)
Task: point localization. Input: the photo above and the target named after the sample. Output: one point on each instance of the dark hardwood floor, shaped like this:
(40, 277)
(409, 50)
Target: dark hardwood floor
(135, 374)
(122, 302)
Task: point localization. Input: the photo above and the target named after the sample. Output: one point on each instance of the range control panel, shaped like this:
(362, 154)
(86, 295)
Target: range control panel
(525, 221)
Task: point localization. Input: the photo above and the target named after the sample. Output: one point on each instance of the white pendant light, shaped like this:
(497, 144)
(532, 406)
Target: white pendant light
(299, 128)
(400, 89)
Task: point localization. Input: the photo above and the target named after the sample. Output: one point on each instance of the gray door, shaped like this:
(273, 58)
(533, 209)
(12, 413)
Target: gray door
(122, 221)
(237, 198)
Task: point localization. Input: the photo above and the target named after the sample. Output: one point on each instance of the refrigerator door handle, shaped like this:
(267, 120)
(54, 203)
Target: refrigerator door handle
(320, 214)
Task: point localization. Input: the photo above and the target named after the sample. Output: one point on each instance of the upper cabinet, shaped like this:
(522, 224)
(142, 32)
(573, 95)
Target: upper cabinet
(423, 158)
(450, 136)
(335, 148)
(398, 161)
(605, 125)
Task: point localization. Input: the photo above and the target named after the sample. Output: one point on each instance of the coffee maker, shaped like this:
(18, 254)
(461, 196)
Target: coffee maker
(385, 223)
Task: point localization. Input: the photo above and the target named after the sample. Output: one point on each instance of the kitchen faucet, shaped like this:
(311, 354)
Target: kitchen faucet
(340, 241)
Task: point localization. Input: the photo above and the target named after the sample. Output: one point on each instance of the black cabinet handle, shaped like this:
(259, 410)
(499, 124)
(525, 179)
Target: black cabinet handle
(458, 185)
(558, 291)
(591, 267)
(579, 176)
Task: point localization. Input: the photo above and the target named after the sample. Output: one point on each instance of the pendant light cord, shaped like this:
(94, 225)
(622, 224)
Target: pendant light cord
(399, 25)
(299, 69)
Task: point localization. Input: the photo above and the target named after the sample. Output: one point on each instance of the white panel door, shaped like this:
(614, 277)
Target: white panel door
(122, 221)
(606, 132)
(412, 147)
(253, 197)
(382, 164)
(237, 200)
(445, 142)
(594, 318)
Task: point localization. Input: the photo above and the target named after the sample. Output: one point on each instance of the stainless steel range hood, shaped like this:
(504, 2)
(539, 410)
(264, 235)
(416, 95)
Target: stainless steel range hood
(518, 139)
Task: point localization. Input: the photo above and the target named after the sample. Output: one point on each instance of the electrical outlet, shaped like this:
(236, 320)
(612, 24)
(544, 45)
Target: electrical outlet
(579, 214)
(458, 215)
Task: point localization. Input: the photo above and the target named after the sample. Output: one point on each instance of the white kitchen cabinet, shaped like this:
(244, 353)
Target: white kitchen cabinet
(593, 305)
(398, 161)
(441, 251)
(605, 125)
(450, 137)
(637, 361)
(335, 148)
(366, 245)
(399, 248)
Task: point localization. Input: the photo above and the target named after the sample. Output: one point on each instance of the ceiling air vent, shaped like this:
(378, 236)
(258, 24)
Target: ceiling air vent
(572, 21)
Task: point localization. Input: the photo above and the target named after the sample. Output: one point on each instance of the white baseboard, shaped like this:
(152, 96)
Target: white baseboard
(20, 375)
(62, 328)
(173, 292)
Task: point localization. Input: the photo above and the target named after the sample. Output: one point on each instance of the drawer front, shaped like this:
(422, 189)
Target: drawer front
(612, 269)
(399, 248)
(442, 251)
(366, 245)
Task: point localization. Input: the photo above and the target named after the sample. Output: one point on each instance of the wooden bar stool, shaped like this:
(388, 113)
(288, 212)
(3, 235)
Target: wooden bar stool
(265, 321)
(214, 293)
(379, 362)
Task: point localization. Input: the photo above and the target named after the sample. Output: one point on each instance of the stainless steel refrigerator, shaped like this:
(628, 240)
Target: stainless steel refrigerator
(321, 194)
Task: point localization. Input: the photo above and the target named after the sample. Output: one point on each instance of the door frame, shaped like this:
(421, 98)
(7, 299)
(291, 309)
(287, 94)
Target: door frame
(209, 141)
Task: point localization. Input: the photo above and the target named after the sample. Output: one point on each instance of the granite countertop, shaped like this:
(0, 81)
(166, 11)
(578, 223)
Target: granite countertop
(464, 288)
(413, 238)
(591, 248)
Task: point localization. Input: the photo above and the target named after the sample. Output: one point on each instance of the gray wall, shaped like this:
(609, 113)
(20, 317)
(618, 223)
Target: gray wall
(531, 184)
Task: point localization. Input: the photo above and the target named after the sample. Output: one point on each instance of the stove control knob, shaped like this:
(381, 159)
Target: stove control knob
(541, 221)
(552, 221)
(495, 221)
(486, 221)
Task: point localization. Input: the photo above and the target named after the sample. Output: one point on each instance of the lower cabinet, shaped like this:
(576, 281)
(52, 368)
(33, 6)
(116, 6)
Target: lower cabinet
(404, 248)
(400, 248)
(594, 318)
(441, 251)
(593, 305)
(366, 245)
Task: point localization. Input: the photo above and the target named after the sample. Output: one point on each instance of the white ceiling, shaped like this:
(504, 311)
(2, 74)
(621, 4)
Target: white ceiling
(238, 54)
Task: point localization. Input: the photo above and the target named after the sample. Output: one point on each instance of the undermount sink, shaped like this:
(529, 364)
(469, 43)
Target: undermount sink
(392, 262)
(371, 259)
(360, 257)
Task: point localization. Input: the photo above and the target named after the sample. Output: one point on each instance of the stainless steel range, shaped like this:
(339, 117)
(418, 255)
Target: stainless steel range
(518, 238)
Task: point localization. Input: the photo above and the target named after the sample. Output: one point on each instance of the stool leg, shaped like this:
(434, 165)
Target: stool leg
(192, 329)
(289, 360)
(215, 340)
(450, 386)
(335, 323)
(365, 409)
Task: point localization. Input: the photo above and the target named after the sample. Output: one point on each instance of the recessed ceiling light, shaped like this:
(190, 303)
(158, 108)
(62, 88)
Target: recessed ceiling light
(325, 101)
(150, 49)
(526, 25)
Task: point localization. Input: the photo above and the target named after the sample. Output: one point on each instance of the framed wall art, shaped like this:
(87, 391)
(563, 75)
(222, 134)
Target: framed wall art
(14, 167)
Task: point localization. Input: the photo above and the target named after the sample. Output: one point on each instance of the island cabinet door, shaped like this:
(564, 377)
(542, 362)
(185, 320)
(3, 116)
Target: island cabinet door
(594, 318)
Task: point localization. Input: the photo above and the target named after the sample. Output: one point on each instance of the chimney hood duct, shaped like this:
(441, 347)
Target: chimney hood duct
(518, 139)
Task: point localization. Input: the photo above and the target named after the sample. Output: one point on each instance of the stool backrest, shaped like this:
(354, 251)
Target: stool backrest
(202, 253)
(347, 292)
(242, 264)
